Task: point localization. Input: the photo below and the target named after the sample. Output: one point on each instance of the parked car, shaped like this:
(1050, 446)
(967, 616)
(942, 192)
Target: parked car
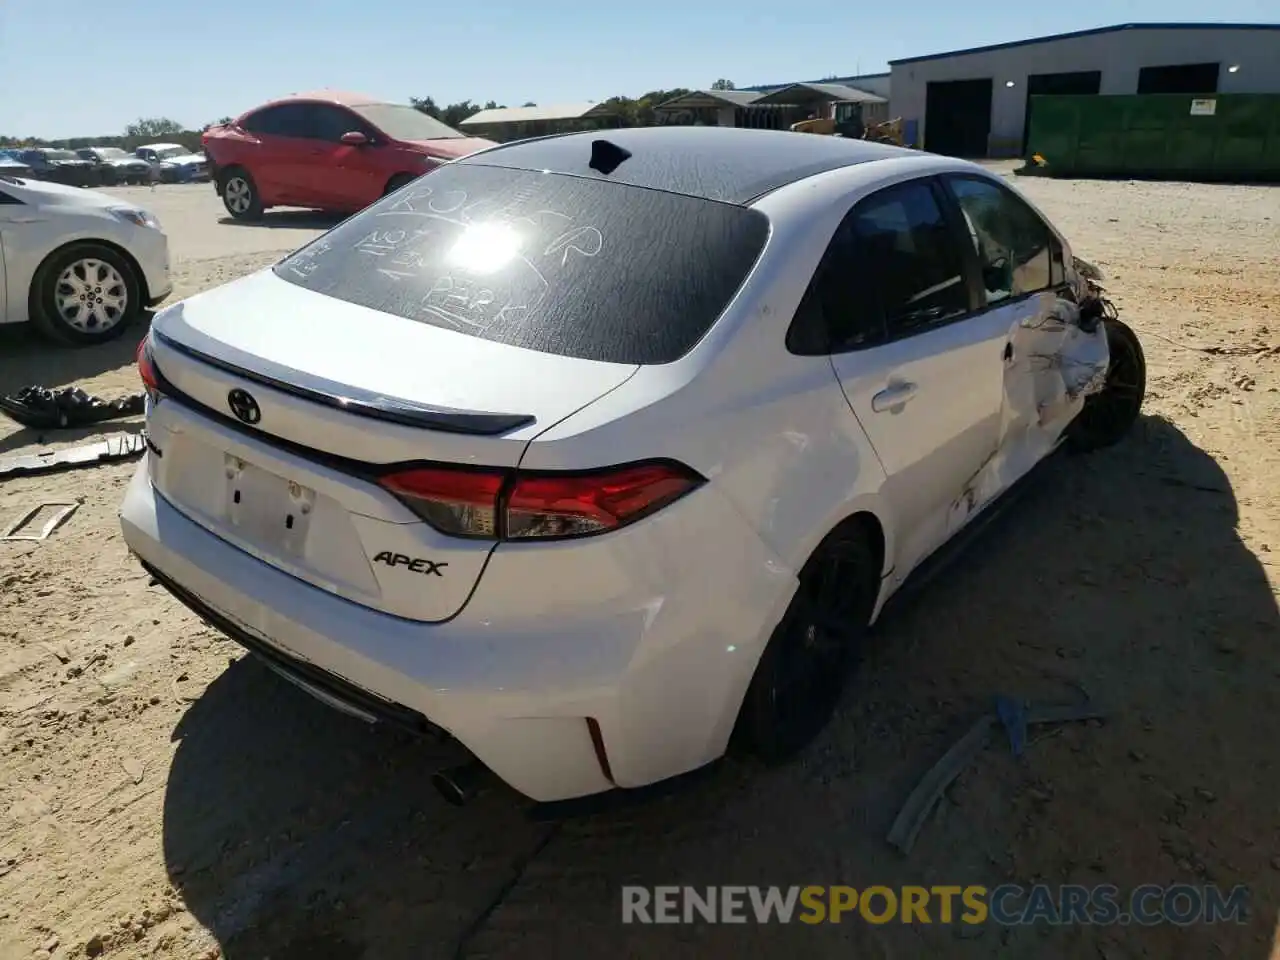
(592, 453)
(79, 264)
(174, 163)
(60, 166)
(116, 165)
(326, 150)
(11, 165)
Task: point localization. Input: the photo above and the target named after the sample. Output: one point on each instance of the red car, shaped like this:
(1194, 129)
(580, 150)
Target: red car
(325, 150)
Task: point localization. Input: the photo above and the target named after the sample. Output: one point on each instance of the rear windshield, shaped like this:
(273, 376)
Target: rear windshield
(564, 265)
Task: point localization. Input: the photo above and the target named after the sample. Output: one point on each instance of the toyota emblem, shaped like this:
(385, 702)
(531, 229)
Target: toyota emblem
(244, 406)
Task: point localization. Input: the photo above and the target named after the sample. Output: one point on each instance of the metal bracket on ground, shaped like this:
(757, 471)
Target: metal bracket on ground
(906, 827)
(122, 446)
(59, 516)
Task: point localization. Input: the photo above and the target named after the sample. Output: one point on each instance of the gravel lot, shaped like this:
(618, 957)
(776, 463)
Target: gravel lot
(164, 796)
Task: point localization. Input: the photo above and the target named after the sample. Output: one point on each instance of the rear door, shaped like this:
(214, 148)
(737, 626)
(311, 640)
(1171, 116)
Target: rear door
(919, 368)
(1023, 290)
(284, 153)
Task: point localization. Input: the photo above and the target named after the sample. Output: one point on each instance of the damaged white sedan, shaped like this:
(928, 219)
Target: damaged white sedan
(597, 454)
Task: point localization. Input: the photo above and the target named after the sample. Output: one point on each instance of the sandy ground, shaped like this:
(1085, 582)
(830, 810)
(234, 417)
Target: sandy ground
(162, 795)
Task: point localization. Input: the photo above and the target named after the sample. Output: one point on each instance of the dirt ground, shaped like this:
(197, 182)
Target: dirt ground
(165, 796)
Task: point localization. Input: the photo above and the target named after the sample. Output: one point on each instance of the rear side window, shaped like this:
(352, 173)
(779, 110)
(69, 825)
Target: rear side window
(894, 268)
(286, 120)
(564, 265)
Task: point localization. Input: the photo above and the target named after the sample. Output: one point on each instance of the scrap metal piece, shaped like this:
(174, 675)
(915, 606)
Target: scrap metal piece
(60, 515)
(123, 446)
(907, 825)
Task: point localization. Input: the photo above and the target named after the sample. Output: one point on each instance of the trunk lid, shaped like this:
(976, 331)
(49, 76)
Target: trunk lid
(339, 391)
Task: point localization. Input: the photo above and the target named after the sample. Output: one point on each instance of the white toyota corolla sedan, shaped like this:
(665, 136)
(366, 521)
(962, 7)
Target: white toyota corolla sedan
(593, 453)
(80, 265)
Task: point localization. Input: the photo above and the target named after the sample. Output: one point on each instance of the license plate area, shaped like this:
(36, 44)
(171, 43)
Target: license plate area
(267, 509)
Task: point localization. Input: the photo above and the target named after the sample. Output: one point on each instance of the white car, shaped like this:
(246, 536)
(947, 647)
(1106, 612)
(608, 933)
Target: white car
(174, 163)
(590, 453)
(80, 265)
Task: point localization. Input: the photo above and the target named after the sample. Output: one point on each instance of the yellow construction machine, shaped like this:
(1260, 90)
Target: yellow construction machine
(844, 119)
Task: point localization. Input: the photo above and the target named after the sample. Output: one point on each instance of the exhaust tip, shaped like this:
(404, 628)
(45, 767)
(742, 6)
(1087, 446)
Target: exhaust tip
(458, 785)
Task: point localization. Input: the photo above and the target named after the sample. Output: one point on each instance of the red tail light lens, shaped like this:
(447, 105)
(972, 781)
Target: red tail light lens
(498, 505)
(147, 366)
(460, 502)
(571, 506)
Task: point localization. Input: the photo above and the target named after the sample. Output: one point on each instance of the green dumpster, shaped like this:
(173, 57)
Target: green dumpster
(1233, 137)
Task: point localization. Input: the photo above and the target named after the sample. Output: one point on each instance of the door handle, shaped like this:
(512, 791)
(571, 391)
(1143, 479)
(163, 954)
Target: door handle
(893, 397)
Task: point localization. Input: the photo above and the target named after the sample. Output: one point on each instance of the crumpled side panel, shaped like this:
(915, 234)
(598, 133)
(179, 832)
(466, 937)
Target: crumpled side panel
(1054, 365)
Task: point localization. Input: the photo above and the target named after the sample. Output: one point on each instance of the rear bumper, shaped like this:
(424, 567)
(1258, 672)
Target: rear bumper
(662, 680)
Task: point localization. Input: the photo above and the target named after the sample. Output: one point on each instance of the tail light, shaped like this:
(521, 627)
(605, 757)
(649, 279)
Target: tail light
(504, 505)
(147, 367)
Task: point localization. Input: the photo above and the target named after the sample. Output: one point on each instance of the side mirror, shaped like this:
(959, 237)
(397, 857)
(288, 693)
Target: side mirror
(354, 138)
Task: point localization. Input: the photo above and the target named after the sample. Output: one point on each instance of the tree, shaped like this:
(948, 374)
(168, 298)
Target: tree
(723, 84)
(152, 128)
(454, 113)
(427, 105)
(529, 104)
(639, 112)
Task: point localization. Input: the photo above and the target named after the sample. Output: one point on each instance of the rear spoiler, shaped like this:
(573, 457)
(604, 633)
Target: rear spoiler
(356, 402)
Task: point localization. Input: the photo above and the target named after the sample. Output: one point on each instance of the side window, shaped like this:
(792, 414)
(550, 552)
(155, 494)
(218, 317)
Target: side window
(1017, 252)
(260, 122)
(286, 120)
(329, 123)
(893, 268)
(7, 198)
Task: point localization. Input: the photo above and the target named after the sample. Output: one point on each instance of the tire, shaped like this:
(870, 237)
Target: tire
(398, 181)
(85, 294)
(1111, 413)
(801, 675)
(240, 194)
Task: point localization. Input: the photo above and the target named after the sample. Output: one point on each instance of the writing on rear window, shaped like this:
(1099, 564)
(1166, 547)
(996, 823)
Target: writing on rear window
(560, 264)
(499, 252)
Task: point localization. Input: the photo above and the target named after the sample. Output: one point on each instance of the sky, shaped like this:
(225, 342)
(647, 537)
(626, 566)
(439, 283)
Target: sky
(196, 62)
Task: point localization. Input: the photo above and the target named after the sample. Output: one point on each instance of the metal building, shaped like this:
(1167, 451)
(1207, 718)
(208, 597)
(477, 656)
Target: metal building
(974, 103)
(777, 106)
(516, 123)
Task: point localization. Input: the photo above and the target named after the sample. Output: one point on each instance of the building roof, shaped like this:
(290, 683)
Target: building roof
(561, 111)
(845, 81)
(708, 98)
(1092, 32)
(811, 91)
(730, 164)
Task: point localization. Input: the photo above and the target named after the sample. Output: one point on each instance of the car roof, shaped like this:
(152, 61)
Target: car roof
(730, 164)
(344, 98)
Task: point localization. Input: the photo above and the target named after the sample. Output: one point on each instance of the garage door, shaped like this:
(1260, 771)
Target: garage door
(957, 117)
